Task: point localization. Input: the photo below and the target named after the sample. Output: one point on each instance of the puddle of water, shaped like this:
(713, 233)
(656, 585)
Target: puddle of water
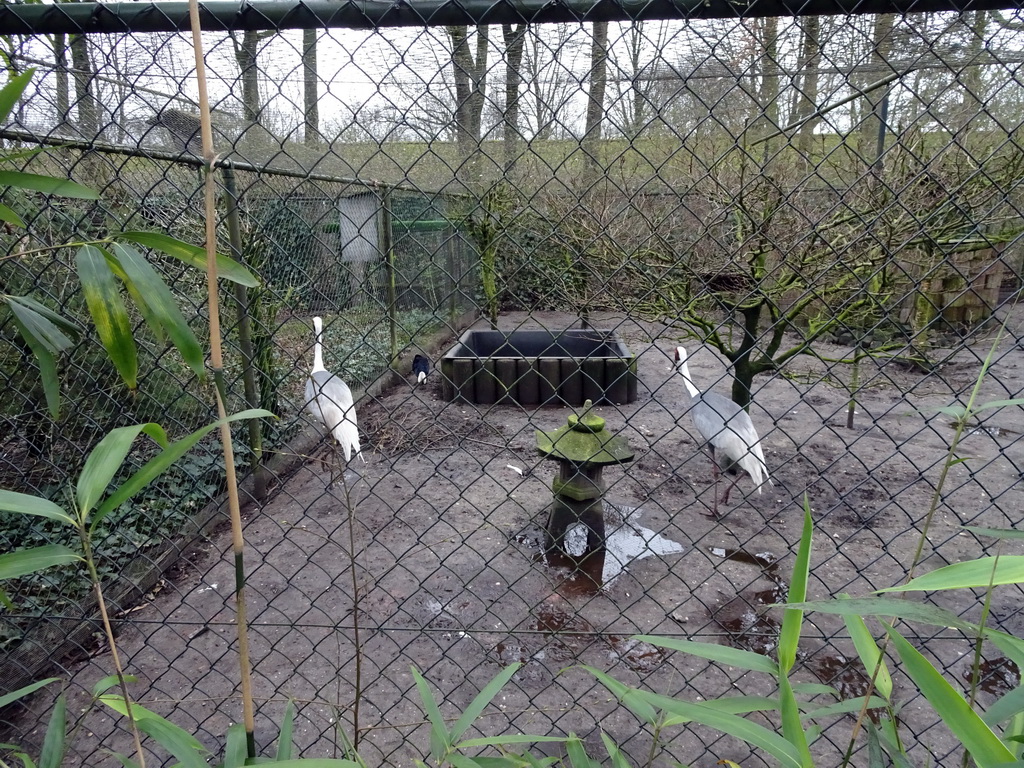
(625, 542)
(748, 626)
(847, 676)
(629, 541)
(998, 676)
(744, 617)
(764, 560)
(638, 655)
(990, 431)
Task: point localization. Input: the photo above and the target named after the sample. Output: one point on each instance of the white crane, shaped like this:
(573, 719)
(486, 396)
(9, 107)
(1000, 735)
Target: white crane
(329, 399)
(726, 427)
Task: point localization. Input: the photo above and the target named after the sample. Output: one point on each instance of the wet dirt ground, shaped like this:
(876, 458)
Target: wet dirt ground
(446, 540)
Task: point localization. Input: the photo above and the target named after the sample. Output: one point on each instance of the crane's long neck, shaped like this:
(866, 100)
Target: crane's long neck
(318, 347)
(684, 371)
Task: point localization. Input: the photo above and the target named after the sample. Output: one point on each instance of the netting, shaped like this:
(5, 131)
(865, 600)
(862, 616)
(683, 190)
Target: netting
(824, 212)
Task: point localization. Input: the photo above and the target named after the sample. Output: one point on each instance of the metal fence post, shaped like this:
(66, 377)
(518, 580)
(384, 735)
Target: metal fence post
(244, 332)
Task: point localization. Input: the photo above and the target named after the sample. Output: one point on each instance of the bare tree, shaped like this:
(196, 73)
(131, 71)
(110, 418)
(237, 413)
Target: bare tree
(872, 130)
(805, 97)
(60, 58)
(514, 37)
(547, 61)
(88, 109)
(595, 95)
(246, 53)
(310, 81)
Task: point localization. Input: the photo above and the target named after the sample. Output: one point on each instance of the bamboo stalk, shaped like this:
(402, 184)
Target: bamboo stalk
(217, 365)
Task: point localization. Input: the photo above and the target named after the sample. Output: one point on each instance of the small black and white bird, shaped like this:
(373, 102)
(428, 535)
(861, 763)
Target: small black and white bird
(420, 368)
(726, 427)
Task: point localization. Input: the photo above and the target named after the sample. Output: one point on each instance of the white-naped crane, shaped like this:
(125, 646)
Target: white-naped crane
(420, 368)
(329, 399)
(727, 428)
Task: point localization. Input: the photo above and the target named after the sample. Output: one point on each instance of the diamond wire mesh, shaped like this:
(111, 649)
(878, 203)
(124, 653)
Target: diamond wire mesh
(632, 177)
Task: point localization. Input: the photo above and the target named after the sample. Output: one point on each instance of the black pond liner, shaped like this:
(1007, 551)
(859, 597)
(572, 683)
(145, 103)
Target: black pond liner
(539, 368)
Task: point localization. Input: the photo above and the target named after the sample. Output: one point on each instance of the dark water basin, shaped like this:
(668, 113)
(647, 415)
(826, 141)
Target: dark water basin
(539, 368)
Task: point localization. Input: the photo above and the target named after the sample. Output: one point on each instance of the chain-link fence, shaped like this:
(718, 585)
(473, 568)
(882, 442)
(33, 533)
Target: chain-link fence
(824, 211)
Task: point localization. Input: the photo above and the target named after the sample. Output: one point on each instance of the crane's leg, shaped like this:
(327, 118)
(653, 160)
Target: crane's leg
(725, 496)
(715, 472)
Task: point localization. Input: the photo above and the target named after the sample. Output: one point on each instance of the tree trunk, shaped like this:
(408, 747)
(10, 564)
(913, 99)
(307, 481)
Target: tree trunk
(310, 82)
(768, 94)
(245, 56)
(88, 111)
(514, 37)
(971, 80)
(806, 99)
(470, 87)
(598, 85)
(60, 58)
(872, 133)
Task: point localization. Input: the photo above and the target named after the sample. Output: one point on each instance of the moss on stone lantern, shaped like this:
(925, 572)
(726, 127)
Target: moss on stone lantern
(582, 448)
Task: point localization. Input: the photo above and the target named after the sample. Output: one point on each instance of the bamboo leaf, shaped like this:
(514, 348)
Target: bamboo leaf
(846, 706)
(998, 404)
(104, 461)
(105, 684)
(26, 504)
(159, 464)
(47, 325)
(512, 738)
(140, 714)
(48, 185)
(815, 689)
(578, 756)
(47, 367)
(1005, 707)
(996, 533)
(870, 654)
(25, 561)
(13, 696)
(162, 305)
(889, 606)
(11, 93)
(792, 729)
(733, 657)
(643, 710)
(54, 743)
(235, 749)
(1008, 569)
(792, 618)
(440, 739)
(192, 255)
(108, 312)
(318, 762)
(737, 727)
(8, 216)
(618, 759)
(978, 739)
(1010, 645)
(174, 739)
(284, 738)
(481, 700)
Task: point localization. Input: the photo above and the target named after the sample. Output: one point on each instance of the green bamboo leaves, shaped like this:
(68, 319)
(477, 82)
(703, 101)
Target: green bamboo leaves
(107, 269)
(93, 499)
(446, 743)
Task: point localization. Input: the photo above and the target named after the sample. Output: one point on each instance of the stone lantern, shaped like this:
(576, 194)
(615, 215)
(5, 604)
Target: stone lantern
(583, 448)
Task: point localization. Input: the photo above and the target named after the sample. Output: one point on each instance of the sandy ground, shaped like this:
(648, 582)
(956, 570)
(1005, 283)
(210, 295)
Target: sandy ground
(452, 579)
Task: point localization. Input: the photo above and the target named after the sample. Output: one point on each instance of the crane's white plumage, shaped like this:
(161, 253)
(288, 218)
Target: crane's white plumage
(329, 399)
(726, 427)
